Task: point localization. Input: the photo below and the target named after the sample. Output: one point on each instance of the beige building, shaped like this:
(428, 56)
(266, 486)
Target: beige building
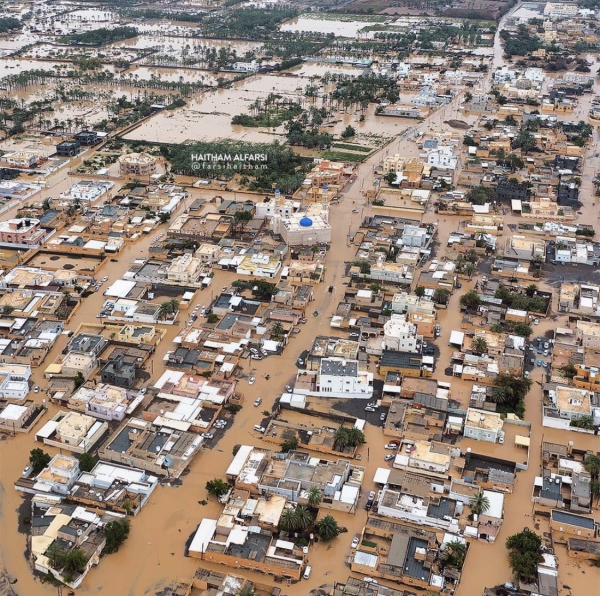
(588, 333)
(137, 164)
(483, 426)
(185, 269)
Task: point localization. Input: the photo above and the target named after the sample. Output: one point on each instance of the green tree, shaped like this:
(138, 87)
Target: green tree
(217, 487)
(348, 132)
(479, 345)
(455, 554)
(524, 554)
(524, 141)
(522, 329)
(116, 533)
(86, 462)
(263, 290)
(479, 503)
(7, 309)
(290, 445)
(441, 296)
(595, 491)
(304, 517)
(569, 370)
(390, 177)
(241, 218)
(420, 291)
(592, 466)
(246, 590)
(38, 459)
(327, 528)
(212, 318)
(277, 329)
(497, 328)
(75, 563)
(164, 217)
(315, 495)
(79, 379)
(470, 301)
(288, 520)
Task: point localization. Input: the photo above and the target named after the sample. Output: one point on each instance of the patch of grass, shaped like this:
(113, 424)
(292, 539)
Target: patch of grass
(350, 147)
(342, 156)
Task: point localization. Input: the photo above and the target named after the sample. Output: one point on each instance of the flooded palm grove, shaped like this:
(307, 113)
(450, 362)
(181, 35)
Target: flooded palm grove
(299, 299)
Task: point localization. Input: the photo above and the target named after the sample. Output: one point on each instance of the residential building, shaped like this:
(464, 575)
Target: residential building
(15, 417)
(119, 371)
(427, 456)
(408, 364)
(137, 164)
(526, 249)
(259, 265)
(588, 334)
(25, 232)
(72, 431)
(59, 476)
(14, 381)
(68, 528)
(483, 426)
(243, 547)
(399, 335)
(87, 138)
(564, 525)
(336, 377)
(185, 269)
(275, 206)
(68, 148)
(103, 401)
(78, 362)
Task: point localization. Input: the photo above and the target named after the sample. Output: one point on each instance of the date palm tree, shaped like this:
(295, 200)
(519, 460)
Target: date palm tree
(479, 503)
(314, 496)
(479, 345)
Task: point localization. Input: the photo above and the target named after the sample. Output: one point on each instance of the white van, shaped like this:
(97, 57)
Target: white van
(307, 572)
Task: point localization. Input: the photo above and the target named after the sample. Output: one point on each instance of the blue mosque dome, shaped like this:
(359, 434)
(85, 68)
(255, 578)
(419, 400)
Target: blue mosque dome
(306, 222)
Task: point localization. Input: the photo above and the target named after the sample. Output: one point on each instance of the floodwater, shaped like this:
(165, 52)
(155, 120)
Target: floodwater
(168, 44)
(340, 28)
(153, 554)
(177, 74)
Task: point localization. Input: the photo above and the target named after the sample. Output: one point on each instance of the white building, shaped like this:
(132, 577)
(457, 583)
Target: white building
(282, 207)
(336, 378)
(185, 269)
(14, 381)
(442, 157)
(59, 476)
(534, 74)
(561, 9)
(414, 236)
(88, 190)
(103, 401)
(482, 425)
(303, 229)
(403, 302)
(399, 335)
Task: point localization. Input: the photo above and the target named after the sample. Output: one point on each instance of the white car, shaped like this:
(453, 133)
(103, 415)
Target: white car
(36, 389)
(208, 436)
(389, 456)
(355, 542)
(259, 429)
(391, 446)
(27, 471)
(251, 381)
(105, 278)
(288, 388)
(258, 401)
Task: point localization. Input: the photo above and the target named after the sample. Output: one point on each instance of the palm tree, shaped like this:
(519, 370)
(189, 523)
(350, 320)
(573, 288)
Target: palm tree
(479, 345)
(356, 437)
(595, 491)
(246, 590)
(340, 439)
(304, 517)
(277, 329)
(479, 503)
(314, 496)
(174, 305)
(592, 465)
(288, 520)
(456, 551)
(469, 270)
(327, 528)
(164, 310)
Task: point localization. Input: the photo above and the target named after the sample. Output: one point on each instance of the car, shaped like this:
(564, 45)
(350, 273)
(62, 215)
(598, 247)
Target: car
(256, 357)
(510, 587)
(501, 439)
(253, 350)
(391, 446)
(300, 362)
(208, 436)
(224, 289)
(539, 363)
(143, 391)
(105, 278)
(194, 317)
(531, 347)
(545, 364)
(198, 306)
(546, 345)
(355, 542)
(354, 210)
(409, 448)
(26, 471)
(307, 572)
(258, 401)
(369, 580)
(303, 320)
(536, 321)
(389, 456)
(372, 495)
(288, 388)
(251, 381)
(395, 442)
(36, 389)
(526, 374)
(369, 409)
(382, 417)
(513, 280)
(190, 323)
(546, 353)
(354, 336)
(458, 285)
(373, 404)
(259, 429)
